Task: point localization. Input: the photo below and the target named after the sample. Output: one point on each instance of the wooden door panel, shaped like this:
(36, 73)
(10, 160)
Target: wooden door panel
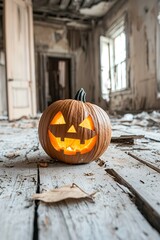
(19, 58)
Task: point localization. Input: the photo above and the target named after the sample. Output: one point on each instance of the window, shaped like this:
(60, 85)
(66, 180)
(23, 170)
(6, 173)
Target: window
(105, 75)
(113, 59)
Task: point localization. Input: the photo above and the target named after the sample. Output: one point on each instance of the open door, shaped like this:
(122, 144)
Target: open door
(55, 78)
(20, 64)
(59, 83)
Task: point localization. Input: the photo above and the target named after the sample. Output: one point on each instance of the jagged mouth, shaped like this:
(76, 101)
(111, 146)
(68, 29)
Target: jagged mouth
(71, 146)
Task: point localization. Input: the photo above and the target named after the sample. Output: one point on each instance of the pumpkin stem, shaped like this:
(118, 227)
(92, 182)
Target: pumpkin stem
(80, 95)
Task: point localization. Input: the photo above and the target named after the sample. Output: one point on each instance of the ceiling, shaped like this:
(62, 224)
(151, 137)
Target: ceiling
(78, 12)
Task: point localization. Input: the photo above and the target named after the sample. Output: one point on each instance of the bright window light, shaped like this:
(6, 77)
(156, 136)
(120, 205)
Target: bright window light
(113, 60)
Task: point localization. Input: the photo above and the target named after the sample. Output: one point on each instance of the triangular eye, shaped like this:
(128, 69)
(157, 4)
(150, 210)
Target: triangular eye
(58, 119)
(87, 123)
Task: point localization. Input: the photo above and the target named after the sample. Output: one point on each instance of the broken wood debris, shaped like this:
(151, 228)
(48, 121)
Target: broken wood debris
(157, 169)
(126, 139)
(88, 174)
(43, 164)
(100, 162)
(143, 205)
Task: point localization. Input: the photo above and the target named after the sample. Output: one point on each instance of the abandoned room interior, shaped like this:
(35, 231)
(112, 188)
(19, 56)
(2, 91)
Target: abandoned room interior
(103, 182)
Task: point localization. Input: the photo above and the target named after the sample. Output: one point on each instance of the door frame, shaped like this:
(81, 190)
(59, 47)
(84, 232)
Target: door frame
(42, 75)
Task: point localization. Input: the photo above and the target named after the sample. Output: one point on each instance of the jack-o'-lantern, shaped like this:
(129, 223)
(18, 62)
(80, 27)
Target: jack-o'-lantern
(74, 131)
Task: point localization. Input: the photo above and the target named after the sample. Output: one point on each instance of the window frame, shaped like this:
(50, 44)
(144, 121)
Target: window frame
(114, 31)
(104, 92)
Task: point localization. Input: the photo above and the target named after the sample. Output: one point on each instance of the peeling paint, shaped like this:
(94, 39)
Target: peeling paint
(147, 47)
(84, 45)
(78, 42)
(141, 67)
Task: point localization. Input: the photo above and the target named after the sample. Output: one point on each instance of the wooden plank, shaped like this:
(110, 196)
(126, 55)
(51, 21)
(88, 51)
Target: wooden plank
(143, 179)
(145, 151)
(17, 211)
(18, 137)
(155, 136)
(18, 179)
(112, 216)
(150, 159)
(140, 144)
(126, 139)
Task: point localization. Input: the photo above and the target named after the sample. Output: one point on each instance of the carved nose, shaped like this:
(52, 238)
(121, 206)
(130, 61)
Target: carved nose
(72, 129)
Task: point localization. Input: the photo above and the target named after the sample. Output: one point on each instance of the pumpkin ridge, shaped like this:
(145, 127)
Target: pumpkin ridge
(75, 112)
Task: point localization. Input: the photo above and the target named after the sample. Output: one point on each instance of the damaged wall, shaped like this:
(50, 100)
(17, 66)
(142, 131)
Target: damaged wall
(58, 39)
(143, 15)
(141, 50)
(84, 45)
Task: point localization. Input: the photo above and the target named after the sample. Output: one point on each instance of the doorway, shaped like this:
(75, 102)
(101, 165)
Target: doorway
(55, 78)
(58, 85)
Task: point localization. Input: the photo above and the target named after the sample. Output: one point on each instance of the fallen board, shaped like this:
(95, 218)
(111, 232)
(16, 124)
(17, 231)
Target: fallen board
(112, 216)
(137, 177)
(155, 136)
(151, 159)
(146, 151)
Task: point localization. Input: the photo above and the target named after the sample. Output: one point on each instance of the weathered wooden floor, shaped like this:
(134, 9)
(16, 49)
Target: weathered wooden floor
(126, 179)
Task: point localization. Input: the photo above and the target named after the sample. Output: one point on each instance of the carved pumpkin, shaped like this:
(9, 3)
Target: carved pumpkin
(74, 131)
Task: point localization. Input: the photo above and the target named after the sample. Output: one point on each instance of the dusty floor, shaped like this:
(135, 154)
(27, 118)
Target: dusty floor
(126, 181)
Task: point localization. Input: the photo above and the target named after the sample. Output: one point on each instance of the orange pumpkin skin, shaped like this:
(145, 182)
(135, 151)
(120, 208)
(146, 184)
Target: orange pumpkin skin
(62, 126)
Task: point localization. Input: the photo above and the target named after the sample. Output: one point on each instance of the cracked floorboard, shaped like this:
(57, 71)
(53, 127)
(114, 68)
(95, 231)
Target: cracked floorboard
(127, 203)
